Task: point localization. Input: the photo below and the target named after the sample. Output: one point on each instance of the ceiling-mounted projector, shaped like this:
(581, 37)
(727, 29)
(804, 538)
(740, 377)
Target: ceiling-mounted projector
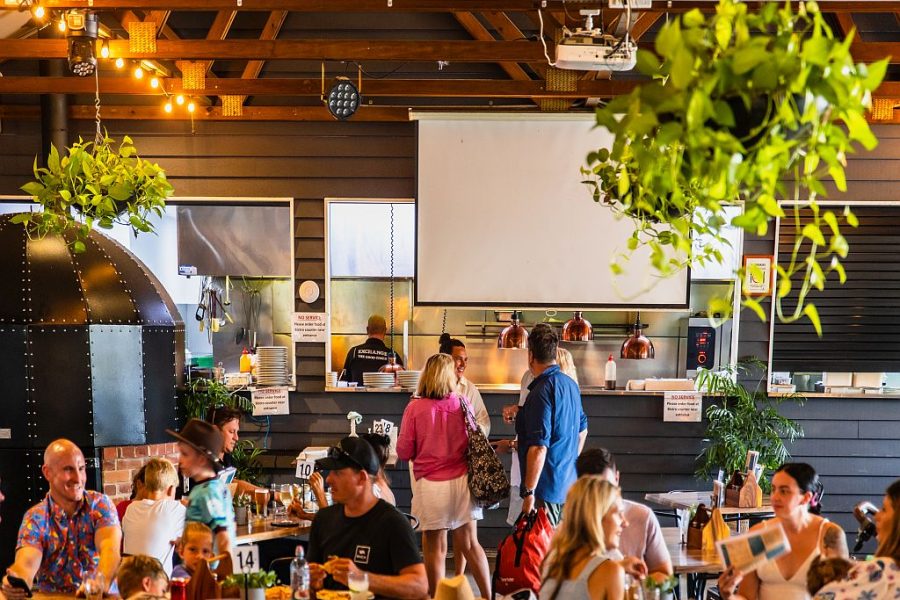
(595, 53)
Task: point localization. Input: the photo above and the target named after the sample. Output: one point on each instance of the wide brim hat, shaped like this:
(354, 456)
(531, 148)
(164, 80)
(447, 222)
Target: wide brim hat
(203, 437)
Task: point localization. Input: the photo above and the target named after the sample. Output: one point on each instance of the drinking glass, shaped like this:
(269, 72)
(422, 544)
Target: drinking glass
(359, 585)
(94, 585)
(261, 497)
(286, 495)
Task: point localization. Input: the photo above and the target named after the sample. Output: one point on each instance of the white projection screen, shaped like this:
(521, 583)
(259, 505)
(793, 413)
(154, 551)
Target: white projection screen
(503, 220)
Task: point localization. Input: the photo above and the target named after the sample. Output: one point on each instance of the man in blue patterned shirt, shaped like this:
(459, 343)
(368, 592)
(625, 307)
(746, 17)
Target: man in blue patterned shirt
(70, 534)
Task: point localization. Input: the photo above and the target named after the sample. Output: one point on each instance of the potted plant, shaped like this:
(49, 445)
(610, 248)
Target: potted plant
(742, 420)
(201, 395)
(245, 457)
(252, 586)
(95, 183)
(738, 103)
(242, 503)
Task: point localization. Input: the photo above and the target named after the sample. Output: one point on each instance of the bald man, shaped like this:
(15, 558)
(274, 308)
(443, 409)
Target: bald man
(71, 533)
(370, 356)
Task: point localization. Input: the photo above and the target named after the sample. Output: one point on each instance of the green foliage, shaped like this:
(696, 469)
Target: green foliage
(105, 184)
(242, 500)
(259, 579)
(743, 420)
(739, 103)
(245, 457)
(665, 586)
(202, 395)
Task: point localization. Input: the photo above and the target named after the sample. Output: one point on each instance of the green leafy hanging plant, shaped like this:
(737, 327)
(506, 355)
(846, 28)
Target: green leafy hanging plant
(95, 183)
(738, 103)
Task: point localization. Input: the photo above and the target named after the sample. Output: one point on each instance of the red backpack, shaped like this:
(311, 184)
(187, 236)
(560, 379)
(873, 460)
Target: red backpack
(521, 553)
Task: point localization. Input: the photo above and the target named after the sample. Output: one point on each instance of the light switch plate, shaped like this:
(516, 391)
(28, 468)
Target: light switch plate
(5, 434)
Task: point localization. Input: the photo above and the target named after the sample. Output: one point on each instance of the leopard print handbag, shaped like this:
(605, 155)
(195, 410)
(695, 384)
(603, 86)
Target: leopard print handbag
(487, 477)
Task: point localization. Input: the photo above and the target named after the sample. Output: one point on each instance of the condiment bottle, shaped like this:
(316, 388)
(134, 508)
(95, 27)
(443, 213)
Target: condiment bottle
(610, 373)
(246, 365)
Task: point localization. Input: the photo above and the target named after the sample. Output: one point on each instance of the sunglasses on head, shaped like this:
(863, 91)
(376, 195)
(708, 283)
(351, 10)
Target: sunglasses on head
(337, 453)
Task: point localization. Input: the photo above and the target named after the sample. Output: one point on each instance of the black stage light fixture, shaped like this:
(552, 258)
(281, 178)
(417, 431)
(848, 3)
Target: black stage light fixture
(82, 37)
(343, 99)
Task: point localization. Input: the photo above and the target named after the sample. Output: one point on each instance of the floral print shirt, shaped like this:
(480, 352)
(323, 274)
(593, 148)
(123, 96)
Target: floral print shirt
(877, 579)
(66, 541)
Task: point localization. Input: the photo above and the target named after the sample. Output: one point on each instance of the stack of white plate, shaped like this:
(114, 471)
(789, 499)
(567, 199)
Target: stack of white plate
(409, 380)
(272, 366)
(331, 379)
(378, 380)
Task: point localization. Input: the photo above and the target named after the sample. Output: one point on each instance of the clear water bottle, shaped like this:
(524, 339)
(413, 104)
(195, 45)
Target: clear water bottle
(299, 576)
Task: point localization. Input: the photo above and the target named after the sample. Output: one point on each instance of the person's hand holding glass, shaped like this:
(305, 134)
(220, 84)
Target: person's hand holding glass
(93, 586)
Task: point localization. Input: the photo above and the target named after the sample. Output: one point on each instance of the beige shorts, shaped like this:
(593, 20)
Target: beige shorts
(443, 504)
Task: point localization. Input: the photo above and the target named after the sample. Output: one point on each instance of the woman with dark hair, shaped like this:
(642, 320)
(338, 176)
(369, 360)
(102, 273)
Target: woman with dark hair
(879, 578)
(795, 497)
(382, 446)
(457, 351)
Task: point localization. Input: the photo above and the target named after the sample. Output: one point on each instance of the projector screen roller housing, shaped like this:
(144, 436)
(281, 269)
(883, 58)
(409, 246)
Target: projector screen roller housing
(503, 220)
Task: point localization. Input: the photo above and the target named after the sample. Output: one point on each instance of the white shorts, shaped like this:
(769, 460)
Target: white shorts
(443, 504)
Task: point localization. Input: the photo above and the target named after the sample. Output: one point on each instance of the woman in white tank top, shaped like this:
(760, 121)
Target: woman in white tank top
(795, 493)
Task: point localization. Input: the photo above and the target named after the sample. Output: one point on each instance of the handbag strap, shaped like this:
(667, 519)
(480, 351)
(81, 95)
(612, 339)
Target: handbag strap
(468, 418)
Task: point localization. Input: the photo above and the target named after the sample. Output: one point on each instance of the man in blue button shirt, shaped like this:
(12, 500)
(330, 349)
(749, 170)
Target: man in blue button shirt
(551, 427)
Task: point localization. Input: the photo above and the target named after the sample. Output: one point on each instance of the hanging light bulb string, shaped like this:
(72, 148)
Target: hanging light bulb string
(98, 136)
(444, 323)
(392, 280)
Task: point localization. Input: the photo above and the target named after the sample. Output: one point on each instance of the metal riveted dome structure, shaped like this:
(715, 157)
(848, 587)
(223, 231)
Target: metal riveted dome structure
(91, 344)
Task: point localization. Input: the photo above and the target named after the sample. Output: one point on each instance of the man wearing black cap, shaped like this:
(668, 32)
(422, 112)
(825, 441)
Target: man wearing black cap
(370, 356)
(200, 445)
(359, 532)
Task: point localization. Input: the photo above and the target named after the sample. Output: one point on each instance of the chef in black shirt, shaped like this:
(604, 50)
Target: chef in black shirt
(360, 532)
(370, 356)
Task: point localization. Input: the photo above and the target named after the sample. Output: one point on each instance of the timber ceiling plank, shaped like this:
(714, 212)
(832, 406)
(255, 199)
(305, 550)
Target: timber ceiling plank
(846, 25)
(510, 32)
(474, 27)
(643, 24)
(362, 6)
(269, 32)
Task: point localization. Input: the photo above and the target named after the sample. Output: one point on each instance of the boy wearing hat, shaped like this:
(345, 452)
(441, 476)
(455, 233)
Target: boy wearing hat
(361, 532)
(200, 445)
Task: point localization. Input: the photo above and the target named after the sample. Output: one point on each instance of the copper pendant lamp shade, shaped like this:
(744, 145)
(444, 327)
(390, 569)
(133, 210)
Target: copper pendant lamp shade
(577, 329)
(637, 345)
(514, 335)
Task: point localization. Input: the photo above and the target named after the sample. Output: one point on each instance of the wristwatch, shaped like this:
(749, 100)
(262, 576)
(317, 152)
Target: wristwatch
(524, 492)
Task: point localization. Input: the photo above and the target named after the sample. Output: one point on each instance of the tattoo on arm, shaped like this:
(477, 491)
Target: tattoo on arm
(835, 542)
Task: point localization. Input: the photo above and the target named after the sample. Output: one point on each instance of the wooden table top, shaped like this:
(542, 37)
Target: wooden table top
(686, 500)
(262, 530)
(689, 560)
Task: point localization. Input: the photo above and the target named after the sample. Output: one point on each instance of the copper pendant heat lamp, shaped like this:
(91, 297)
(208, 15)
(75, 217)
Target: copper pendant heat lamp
(637, 345)
(514, 335)
(577, 329)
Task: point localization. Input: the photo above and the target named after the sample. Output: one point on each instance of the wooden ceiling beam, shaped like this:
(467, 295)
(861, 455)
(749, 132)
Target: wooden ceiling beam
(846, 25)
(398, 6)
(358, 50)
(872, 51)
(269, 32)
(643, 24)
(474, 27)
(399, 88)
(510, 32)
(213, 113)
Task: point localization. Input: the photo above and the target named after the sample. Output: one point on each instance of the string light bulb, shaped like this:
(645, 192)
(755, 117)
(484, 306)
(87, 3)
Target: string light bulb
(38, 11)
(179, 99)
(154, 82)
(104, 50)
(138, 73)
(61, 25)
(191, 106)
(168, 106)
(120, 62)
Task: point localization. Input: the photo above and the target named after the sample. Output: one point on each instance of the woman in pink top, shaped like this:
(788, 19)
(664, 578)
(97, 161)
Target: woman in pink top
(433, 436)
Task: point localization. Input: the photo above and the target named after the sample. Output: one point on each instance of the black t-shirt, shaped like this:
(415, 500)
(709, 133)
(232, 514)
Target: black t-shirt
(366, 358)
(380, 541)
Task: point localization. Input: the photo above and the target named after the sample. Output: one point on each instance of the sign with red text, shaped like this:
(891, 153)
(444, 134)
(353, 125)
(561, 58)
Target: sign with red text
(309, 327)
(683, 407)
(270, 401)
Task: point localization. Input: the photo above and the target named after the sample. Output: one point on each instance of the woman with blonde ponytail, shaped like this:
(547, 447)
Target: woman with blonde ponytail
(576, 567)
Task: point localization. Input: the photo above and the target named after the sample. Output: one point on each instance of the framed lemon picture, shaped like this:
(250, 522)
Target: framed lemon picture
(758, 277)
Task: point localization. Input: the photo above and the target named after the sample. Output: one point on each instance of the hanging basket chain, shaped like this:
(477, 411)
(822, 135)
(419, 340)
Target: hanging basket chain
(98, 136)
(392, 280)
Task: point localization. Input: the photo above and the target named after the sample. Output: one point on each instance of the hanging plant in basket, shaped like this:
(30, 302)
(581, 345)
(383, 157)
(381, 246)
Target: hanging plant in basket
(95, 183)
(742, 108)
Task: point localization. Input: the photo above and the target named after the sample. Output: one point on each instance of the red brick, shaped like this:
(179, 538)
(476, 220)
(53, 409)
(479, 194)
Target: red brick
(109, 465)
(124, 488)
(109, 453)
(126, 452)
(109, 490)
(141, 451)
(128, 464)
(117, 477)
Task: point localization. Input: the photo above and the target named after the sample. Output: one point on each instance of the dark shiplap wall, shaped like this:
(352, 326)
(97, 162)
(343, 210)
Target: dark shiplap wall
(853, 443)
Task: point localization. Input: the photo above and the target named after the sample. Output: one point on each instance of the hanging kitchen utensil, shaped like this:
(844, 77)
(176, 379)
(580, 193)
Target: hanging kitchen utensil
(228, 286)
